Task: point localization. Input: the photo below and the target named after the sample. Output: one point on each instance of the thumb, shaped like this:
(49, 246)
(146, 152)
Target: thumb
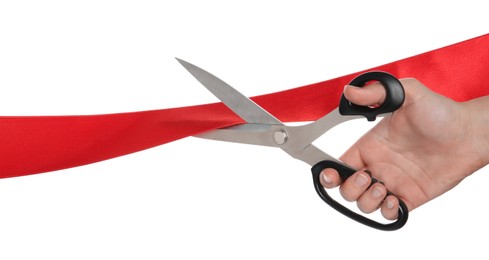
(369, 95)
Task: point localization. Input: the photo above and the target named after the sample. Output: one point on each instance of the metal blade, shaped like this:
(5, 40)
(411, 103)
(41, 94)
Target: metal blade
(262, 127)
(256, 134)
(244, 107)
(310, 155)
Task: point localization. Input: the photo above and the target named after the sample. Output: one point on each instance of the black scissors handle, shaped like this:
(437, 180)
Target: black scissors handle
(345, 172)
(394, 100)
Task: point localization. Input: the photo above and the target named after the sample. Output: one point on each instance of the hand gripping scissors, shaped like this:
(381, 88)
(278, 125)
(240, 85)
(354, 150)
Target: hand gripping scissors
(262, 128)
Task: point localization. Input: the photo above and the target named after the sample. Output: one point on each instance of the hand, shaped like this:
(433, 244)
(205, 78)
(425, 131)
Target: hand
(422, 150)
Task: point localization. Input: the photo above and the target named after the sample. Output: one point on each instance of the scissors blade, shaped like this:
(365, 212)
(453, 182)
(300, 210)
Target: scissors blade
(310, 155)
(244, 107)
(261, 125)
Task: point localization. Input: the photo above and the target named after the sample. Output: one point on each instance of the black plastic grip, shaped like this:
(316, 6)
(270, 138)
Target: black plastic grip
(345, 172)
(393, 100)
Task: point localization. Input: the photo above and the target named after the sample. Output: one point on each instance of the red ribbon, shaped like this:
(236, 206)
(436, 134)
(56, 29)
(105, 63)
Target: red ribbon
(36, 144)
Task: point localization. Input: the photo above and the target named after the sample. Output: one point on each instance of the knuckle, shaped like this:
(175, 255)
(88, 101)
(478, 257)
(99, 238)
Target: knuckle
(366, 207)
(389, 213)
(348, 193)
(410, 82)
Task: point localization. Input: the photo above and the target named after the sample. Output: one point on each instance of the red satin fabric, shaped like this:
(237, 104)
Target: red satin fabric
(37, 144)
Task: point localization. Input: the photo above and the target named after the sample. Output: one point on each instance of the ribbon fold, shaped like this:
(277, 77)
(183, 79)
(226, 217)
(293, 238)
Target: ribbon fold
(37, 144)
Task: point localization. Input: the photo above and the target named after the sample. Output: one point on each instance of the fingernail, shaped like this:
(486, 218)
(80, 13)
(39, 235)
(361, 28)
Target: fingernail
(326, 179)
(377, 192)
(361, 180)
(390, 204)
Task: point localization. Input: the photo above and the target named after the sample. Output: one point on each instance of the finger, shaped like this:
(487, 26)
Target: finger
(390, 207)
(355, 186)
(370, 95)
(372, 198)
(330, 178)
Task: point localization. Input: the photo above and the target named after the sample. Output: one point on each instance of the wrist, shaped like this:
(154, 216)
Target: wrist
(478, 111)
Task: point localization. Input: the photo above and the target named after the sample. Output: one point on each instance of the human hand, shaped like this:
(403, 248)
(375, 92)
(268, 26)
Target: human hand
(421, 151)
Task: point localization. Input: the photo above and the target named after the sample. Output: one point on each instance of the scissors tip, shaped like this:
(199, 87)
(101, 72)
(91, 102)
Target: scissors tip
(185, 64)
(181, 61)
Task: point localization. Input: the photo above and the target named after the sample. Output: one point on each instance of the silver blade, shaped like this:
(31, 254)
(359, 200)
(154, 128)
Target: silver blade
(310, 155)
(256, 134)
(262, 126)
(244, 107)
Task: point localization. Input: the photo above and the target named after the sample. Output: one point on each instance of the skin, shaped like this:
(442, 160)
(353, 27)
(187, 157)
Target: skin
(421, 151)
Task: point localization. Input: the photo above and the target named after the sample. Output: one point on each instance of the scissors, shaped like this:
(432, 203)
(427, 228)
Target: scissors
(262, 128)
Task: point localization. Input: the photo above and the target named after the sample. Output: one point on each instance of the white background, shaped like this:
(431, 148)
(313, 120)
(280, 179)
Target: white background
(200, 199)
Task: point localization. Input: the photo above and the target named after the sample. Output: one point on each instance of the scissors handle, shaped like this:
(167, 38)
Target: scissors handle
(345, 172)
(394, 100)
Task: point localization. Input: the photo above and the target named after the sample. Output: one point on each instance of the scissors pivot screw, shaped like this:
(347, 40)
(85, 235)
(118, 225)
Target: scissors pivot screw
(280, 137)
